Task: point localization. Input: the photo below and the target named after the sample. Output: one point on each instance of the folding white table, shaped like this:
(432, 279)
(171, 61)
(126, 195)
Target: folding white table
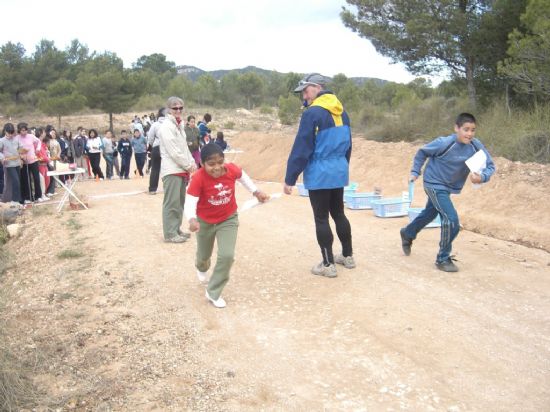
(68, 188)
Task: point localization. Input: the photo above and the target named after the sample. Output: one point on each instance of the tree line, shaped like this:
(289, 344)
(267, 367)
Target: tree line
(62, 82)
(495, 53)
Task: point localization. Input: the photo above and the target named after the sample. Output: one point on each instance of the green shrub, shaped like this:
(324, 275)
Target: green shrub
(289, 109)
(522, 135)
(416, 120)
(266, 109)
(148, 103)
(229, 124)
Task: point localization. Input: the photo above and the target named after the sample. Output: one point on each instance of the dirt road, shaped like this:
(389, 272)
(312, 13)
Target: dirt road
(125, 326)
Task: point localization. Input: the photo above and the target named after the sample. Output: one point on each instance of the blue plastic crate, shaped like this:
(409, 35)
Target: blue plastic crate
(361, 200)
(350, 189)
(302, 191)
(394, 207)
(352, 186)
(415, 211)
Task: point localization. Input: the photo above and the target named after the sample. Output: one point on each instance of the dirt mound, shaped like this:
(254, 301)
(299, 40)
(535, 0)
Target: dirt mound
(512, 206)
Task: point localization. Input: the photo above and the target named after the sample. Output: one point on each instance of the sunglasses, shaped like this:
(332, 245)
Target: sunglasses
(177, 108)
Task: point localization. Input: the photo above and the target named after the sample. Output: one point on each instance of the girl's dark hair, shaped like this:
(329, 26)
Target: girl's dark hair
(207, 117)
(209, 150)
(190, 117)
(21, 126)
(219, 135)
(94, 132)
(8, 128)
(38, 132)
(161, 112)
(66, 134)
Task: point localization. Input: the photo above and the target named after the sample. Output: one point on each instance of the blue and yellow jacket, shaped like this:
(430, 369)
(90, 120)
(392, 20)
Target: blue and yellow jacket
(322, 147)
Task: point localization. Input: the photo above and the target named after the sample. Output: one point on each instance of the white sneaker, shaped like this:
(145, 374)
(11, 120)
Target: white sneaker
(219, 303)
(28, 202)
(203, 276)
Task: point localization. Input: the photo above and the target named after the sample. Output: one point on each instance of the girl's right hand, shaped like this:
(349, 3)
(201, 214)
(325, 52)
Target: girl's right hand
(194, 225)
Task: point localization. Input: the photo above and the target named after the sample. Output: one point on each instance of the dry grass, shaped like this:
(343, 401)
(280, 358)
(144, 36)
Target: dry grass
(16, 389)
(69, 254)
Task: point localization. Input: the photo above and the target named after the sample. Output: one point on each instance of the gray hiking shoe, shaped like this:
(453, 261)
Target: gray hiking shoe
(406, 243)
(322, 270)
(447, 266)
(186, 235)
(347, 261)
(176, 239)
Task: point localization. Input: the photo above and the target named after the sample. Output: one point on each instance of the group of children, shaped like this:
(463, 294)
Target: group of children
(28, 153)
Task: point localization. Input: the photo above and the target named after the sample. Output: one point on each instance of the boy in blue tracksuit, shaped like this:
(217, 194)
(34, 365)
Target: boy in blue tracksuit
(445, 174)
(322, 151)
(125, 149)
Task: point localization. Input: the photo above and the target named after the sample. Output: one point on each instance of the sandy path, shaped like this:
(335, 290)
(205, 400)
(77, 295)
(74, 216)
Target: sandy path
(127, 326)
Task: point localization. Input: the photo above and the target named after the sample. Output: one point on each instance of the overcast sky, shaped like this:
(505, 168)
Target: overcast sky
(285, 35)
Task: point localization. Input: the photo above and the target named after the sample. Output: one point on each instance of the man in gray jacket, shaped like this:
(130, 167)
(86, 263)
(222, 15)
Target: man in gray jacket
(153, 141)
(176, 168)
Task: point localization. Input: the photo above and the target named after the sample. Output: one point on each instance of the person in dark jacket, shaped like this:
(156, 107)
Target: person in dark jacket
(79, 153)
(220, 141)
(322, 151)
(125, 149)
(204, 130)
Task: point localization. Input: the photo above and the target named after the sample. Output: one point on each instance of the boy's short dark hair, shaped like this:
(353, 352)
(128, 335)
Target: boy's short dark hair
(465, 118)
(190, 117)
(207, 117)
(219, 135)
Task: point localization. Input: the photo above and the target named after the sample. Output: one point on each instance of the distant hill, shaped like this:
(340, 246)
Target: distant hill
(193, 73)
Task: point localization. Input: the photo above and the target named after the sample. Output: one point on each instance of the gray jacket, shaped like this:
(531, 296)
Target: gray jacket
(9, 147)
(175, 155)
(153, 137)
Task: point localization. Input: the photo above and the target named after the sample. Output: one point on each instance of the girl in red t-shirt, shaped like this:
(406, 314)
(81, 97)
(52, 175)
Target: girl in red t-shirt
(211, 209)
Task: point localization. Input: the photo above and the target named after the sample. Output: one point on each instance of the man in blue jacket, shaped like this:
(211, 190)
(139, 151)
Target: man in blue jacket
(322, 151)
(445, 174)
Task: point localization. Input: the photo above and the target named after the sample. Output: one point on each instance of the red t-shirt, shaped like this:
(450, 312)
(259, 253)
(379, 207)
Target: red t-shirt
(216, 196)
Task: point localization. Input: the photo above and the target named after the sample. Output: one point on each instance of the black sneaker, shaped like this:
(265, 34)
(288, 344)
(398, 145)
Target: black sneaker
(447, 266)
(406, 243)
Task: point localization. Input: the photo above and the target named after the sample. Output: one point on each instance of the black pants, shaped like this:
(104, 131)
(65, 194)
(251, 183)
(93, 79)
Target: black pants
(325, 202)
(125, 165)
(155, 169)
(28, 171)
(140, 162)
(94, 162)
(12, 192)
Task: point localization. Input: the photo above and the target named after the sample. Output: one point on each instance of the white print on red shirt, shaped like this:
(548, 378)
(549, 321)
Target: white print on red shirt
(223, 196)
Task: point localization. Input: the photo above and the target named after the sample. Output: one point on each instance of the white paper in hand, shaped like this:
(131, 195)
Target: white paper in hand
(477, 163)
(249, 204)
